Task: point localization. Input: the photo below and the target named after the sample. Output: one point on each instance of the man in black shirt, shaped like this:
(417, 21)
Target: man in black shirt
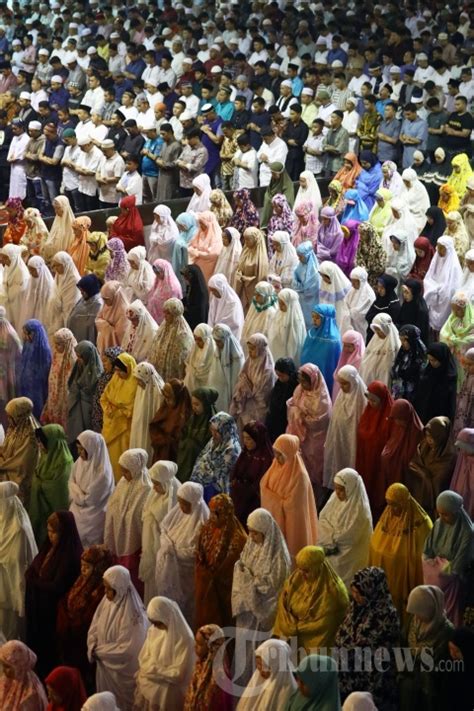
(294, 135)
(458, 127)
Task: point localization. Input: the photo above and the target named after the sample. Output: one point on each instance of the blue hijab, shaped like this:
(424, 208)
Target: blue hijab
(368, 181)
(319, 674)
(323, 344)
(35, 365)
(189, 222)
(306, 280)
(358, 211)
(216, 461)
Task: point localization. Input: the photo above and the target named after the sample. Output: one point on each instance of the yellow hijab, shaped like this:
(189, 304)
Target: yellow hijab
(380, 216)
(120, 393)
(458, 179)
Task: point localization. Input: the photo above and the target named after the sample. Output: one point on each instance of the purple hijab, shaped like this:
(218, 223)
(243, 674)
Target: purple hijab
(329, 236)
(345, 258)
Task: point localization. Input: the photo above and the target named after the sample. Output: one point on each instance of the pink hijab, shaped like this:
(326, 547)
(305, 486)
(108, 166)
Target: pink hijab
(111, 321)
(353, 338)
(306, 225)
(206, 245)
(25, 690)
(316, 401)
(163, 289)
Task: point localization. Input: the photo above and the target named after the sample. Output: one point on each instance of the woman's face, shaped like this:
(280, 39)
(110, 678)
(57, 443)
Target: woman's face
(396, 213)
(58, 268)
(34, 272)
(107, 363)
(395, 508)
(282, 306)
(121, 373)
(348, 347)
(282, 377)
(4, 260)
(455, 652)
(200, 646)
(53, 532)
(86, 569)
(256, 536)
(405, 343)
(380, 201)
(81, 451)
(430, 440)
(249, 443)
(373, 400)
(109, 591)
(58, 208)
(395, 244)
(259, 298)
(277, 208)
(264, 673)
(446, 517)
(355, 284)
(249, 241)
(219, 343)
(93, 246)
(380, 289)
(157, 220)
(470, 265)
(197, 191)
(53, 696)
(169, 317)
(325, 278)
(197, 405)
(159, 273)
(316, 319)
(358, 598)
(347, 164)
(108, 300)
(441, 249)
(378, 332)
(419, 252)
(59, 347)
(407, 294)
(185, 506)
(27, 336)
(8, 670)
(226, 239)
(125, 473)
(305, 381)
(279, 456)
(133, 264)
(158, 487)
(77, 231)
(215, 434)
(344, 385)
(253, 350)
(214, 292)
(133, 318)
(434, 362)
(302, 258)
(458, 310)
(276, 245)
(199, 342)
(84, 294)
(303, 182)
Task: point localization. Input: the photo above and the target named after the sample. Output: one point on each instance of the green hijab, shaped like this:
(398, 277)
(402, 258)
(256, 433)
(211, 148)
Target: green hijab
(195, 433)
(282, 184)
(49, 489)
(319, 674)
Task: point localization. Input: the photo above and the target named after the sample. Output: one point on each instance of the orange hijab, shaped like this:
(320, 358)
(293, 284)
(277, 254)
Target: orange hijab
(79, 249)
(348, 176)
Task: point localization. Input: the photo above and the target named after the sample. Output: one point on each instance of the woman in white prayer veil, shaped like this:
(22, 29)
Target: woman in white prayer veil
(166, 661)
(401, 221)
(333, 288)
(359, 701)
(308, 191)
(123, 518)
(148, 399)
(116, 636)
(200, 359)
(225, 306)
(259, 574)
(401, 257)
(284, 258)
(261, 312)
(176, 557)
(141, 277)
(66, 294)
(200, 199)
(39, 292)
(381, 351)
(17, 550)
(272, 682)
(467, 285)
(229, 255)
(103, 701)
(61, 234)
(417, 198)
(160, 502)
(163, 236)
(341, 440)
(90, 485)
(140, 331)
(345, 525)
(16, 278)
(359, 300)
(442, 279)
(226, 365)
(287, 331)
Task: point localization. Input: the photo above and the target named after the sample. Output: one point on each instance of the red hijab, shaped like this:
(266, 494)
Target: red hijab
(67, 683)
(421, 265)
(372, 435)
(129, 225)
(406, 432)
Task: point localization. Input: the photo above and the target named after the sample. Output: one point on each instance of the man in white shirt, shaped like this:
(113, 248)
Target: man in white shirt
(16, 159)
(108, 175)
(246, 164)
(131, 182)
(152, 70)
(273, 149)
(395, 82)
(191, 100)
(325, 106)
(203, 55)
(128, 107)
(87, 166)
(70, 182)
(94, 96)
(423, 72)
(358, 78)
(166, 73)
(85, 126)
(178, 56)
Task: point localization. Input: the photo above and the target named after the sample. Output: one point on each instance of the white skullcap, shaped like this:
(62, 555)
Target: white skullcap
(306, 90)
(186, 116)
(25, 95)
(83, 140)
(57, 78)
(35, 125)
(287, 82)
(44, 52)
(216, 70)
(92, 50)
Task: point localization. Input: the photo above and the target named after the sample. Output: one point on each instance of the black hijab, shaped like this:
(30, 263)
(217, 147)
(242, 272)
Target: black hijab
(438, 228)
(437, 388)
(276, 420)
(415, 311)
(389, 303)
(196, 298)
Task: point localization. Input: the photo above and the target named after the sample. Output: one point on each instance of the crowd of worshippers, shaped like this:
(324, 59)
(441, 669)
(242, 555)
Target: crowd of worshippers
(238, 444)
(98, 103)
